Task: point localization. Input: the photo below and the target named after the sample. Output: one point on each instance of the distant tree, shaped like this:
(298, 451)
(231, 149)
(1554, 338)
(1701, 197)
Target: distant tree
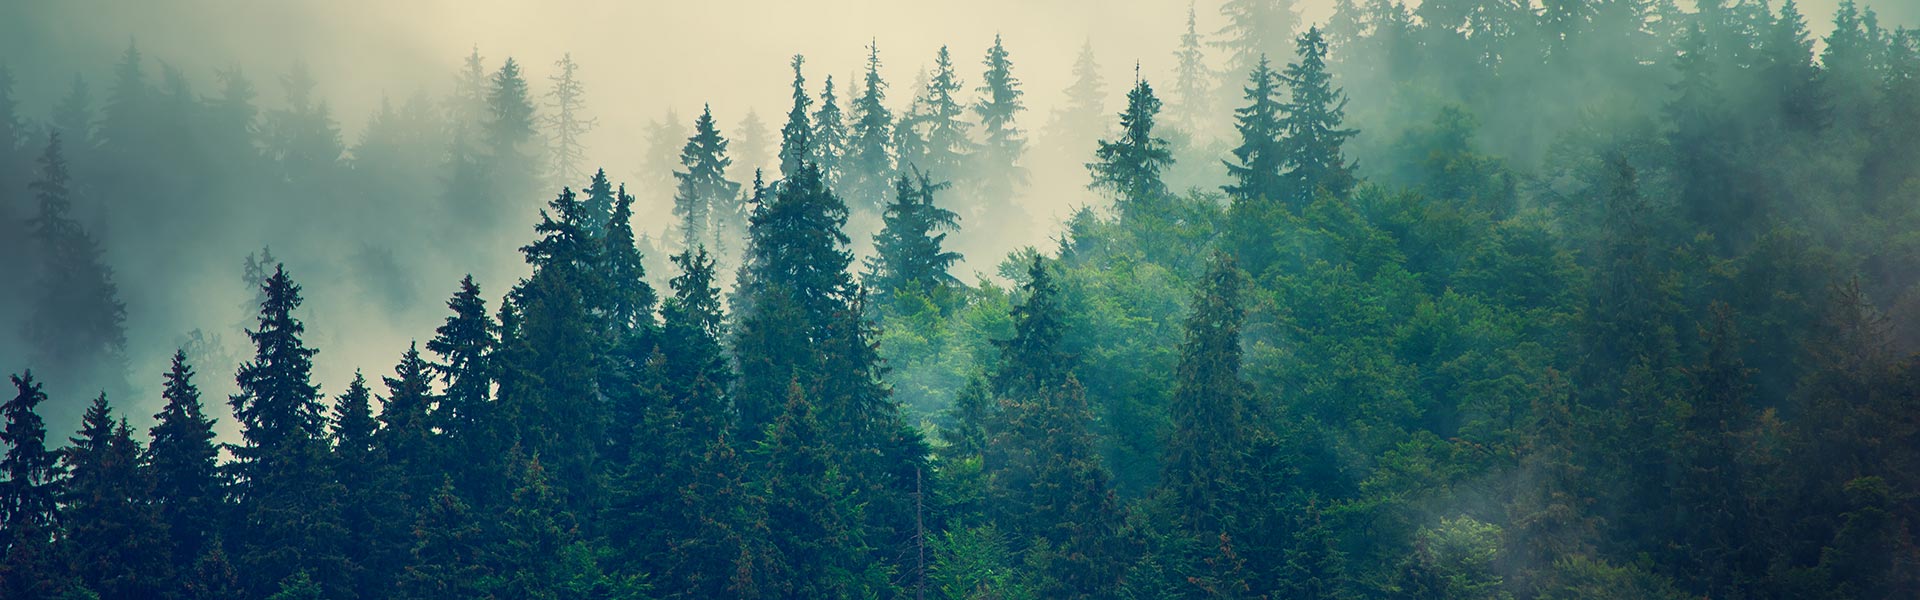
(947, 143)
(869, 160)
(597, 207)
(78, 324)
(512, 163)
(704, 193)
(751, 147)
(303, 138)
(74, 115)
(830, 136)
(796, 144)
(1789, 74)
(1082, 118)
(1193, 81)
(1001, 152)
(567, 121)
(1255, 28)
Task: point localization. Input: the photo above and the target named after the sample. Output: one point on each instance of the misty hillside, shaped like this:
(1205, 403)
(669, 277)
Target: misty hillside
(1284, 299)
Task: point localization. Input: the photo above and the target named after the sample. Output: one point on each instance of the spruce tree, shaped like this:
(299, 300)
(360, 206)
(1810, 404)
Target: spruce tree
(830, 137)
(1312, 129)
(752, 145)
(188, 488)
(371, 506)
(291, 522)
(29, 501)
(704, 194)
(947, 144)
(796, 146)
(1261, 155)
(1004, 143)
(303, 138)
(1082, 119)
(73, 116)
(118, 538)
(814, 521)
(1193, 80)
(1129, 166)
(511, 161)
(406, 441)
(567, 121)
(78, 324)
(1789, 74)
(444, 561)
(597, 207)
(908, 252)
(1255, 28)
(869, 160)
(464, 345)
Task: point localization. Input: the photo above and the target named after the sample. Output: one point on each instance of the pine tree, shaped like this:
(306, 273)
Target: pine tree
(869, 161)
(947, 144)
(1312, 132)
(406, 441)
(704, 193)
(1255, 28)
(1706, 169)
(752, 143)
(464, 344)
(1047, 485)
(1082, 119)
(908, 252)
(73, 115)
(303, 138)
(566, 108)
(628, 302)
(1261, 154)
(509, 136)
(1193, 80)
(444, 561)
(292, 521)
(1129, 166)
(829, 139)
(188, 488)
(1214, 420)
(1001, 151)
(796, 146)
(371, 506)
(597, 207)
(125, 123)
(78, 324)
(814, 522)
(29, 501)
(1715, 521)
(1789, 73)
(119, 540)
(12, 134)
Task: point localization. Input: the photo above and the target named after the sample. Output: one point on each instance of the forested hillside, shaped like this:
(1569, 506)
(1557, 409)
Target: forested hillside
(1472, 299)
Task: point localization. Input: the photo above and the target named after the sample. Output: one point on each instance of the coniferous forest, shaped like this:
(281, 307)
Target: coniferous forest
(1447, 299)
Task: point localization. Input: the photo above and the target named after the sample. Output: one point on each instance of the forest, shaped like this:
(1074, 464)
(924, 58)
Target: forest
(1445, 299)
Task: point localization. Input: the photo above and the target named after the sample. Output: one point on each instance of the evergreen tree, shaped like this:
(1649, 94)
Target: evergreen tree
(1261, 154)
(78, 324)
(405, 440)
(908, 253)
(1312, 129)
(509, 136)
(1129, 166)
(1047, 485)
(291, 522)
(444, 561)
(1789, 73)
(33, 472)
(1081, 120)
(567, 121)
(796, 146)
(814, 521)
(1193, 80)
(119, 541)
(464, 344)
(303, 138)
(869, 160)
(1255, 28)
(597, 207)
(628, 302)
(188, 488)
(73, 115)
(830, 137)
(1004, 145)
(704, 193)
(370, 505)
(752, 144)
(947, 144)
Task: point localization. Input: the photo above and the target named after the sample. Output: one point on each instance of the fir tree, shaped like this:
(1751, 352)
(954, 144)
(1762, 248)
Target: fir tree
(1789, 73)
(567, 121)
(1261, 154)
(444, 561)
(704, 193)
(119, 541)
(908, 252)
(1082, 118)
(947, 144)
(1255, 28)
(814, 522)
(1130, 165)
(509, 136)
(29, 500)
(73, 115)
(188, 489)
(303, 138)
(1193, 80)
(830, 137)
(464, 344)
(752, 144)
(1312, 129)
(1005, 143)
(869, 161)
(796, 146)
(78, 324)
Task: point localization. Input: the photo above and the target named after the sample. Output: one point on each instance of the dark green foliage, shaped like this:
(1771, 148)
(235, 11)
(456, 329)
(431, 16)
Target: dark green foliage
(31, 468)
(704, 193)
(77, 323)
(1003, 143)
(1129, 166)
(119, 541)
(940, 122)
(188, 488)
(868, 163)
(796, 137)
(1261, 154)
(1313, 130)
(909, 252)
(829, 139)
